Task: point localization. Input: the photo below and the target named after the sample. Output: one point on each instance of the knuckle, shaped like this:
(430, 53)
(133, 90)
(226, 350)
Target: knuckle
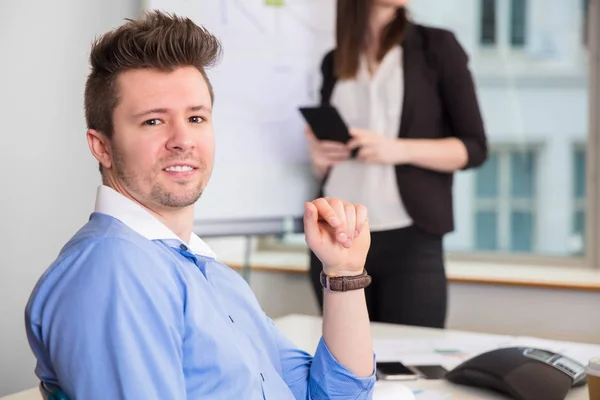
(335, 202)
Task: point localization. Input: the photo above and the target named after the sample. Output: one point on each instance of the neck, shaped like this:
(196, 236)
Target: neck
(180, 221)
(379, 17)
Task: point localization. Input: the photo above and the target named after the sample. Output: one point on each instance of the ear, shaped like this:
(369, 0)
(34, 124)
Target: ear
(100, 147)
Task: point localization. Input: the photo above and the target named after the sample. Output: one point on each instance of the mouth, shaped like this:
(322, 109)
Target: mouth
(180, 168)
(181, 171)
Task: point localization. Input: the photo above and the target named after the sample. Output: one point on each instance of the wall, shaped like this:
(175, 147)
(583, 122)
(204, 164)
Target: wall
(48, 177)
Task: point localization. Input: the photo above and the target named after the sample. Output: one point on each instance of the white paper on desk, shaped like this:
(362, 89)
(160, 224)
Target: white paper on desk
(427, 351)
(431, 395)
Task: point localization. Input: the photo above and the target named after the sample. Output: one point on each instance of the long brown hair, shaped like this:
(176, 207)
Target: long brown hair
(352, 24)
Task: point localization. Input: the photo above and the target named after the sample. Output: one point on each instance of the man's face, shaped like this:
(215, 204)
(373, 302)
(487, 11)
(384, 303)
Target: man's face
(163, 143)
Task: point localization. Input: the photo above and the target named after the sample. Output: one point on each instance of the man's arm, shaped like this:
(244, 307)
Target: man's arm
(346, 330)
(110, 325)
(321, 377)
(338, 233)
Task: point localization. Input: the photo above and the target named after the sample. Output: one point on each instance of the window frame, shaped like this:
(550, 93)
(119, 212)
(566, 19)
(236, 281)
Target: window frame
(578, 204)
(592, 230)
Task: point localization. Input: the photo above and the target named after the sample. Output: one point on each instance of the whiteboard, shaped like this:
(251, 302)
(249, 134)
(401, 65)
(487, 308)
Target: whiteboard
(269, 67)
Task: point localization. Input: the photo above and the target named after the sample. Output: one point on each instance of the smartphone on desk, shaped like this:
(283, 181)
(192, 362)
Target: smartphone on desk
(430, 371)
(395, 371)
(398, 371)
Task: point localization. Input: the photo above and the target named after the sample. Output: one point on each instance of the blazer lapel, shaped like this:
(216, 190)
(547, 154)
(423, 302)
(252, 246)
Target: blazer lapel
(410, 67)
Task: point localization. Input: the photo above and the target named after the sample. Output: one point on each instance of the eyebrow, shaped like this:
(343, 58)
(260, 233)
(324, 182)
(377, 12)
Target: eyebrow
(165, 110)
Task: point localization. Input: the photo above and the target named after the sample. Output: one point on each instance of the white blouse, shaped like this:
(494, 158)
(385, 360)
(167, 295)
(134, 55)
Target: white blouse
(373, 103)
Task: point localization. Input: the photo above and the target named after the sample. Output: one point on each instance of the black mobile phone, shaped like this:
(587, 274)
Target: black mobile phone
(395, 371)
(430, 371)
(326, 123)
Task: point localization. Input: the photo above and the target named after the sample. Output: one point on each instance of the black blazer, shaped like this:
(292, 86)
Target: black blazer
(439, 101)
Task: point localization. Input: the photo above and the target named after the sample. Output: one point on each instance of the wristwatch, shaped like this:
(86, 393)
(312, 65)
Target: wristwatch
(345, 283)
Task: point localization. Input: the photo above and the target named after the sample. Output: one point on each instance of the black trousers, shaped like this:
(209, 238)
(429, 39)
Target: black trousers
(409, 281)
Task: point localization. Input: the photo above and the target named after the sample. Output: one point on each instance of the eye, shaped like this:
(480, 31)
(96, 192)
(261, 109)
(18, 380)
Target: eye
(196, 119)
(153, 122)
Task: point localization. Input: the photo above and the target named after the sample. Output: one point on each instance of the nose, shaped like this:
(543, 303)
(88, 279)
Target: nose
(181, 137)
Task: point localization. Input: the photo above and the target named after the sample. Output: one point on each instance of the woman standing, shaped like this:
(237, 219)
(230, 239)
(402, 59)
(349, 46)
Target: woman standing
(407, 92)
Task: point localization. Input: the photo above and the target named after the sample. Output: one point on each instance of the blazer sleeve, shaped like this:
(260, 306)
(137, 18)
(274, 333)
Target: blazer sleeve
(459, 98)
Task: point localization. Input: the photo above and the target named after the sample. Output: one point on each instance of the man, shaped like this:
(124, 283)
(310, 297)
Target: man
(136, 306)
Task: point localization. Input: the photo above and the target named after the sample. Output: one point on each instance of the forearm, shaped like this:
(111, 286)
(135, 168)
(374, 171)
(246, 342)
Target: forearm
(443, 155)
(347, 332)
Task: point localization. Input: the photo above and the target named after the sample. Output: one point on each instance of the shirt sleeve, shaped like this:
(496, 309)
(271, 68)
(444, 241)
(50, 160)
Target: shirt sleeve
(110, 325)
(320, 377)
(457, 89)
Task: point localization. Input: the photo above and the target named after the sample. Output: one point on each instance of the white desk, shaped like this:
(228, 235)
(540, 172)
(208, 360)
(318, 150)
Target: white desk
(31, 394)
(305, 332)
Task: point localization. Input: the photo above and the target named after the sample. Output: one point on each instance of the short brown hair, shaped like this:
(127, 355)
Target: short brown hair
(352, 24)
(159, 40)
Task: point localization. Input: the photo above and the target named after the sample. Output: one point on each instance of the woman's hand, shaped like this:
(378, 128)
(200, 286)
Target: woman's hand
(375, 148)
(325, 153)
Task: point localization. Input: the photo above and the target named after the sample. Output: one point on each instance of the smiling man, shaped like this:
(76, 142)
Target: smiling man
(136, 306)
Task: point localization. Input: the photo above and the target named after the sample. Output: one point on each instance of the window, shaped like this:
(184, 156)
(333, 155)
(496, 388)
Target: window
(505, 197)
(501, 25)
(488, 22)
(579, 177)
(518, 19)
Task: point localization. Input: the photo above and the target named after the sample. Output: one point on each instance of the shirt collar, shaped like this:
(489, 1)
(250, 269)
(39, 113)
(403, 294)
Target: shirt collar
(392, 59)
(114, 204)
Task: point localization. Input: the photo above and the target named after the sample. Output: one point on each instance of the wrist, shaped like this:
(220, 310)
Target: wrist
(404, 151)
(345, 283)
(342, 272)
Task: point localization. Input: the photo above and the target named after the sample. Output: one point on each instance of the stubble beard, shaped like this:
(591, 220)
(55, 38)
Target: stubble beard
(159, 194)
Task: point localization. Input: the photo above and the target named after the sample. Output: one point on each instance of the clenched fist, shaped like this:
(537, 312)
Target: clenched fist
(338, 233)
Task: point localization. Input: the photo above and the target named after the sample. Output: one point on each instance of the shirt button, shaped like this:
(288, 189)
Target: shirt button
(183, 247)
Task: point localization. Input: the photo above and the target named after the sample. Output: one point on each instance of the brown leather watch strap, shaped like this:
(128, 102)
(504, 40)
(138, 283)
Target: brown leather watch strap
(345, 283)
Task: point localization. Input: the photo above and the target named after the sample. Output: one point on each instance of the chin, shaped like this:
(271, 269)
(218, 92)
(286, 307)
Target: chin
(179, 202)
(179, 197)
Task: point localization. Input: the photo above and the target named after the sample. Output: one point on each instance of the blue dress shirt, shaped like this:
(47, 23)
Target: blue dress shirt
(120, 316)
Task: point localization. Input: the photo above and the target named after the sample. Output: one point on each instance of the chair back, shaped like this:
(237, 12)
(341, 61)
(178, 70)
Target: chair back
(52, 392)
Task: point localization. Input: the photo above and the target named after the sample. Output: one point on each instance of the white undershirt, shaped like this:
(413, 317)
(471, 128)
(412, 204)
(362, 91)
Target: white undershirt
(374, 104)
